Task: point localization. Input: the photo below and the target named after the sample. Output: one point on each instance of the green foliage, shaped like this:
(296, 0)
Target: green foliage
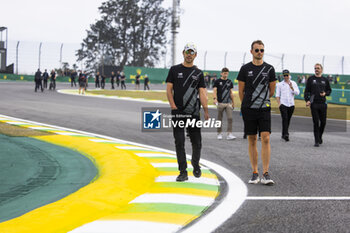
(130, 32)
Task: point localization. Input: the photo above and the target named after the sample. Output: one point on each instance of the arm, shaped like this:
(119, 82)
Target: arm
(307, 93)
(204, 101)
(328, 89)
(278, 94)
(296, 90)
(169, 94)
(215, 95)
(231, 95)
(272, 86)
(241, 86)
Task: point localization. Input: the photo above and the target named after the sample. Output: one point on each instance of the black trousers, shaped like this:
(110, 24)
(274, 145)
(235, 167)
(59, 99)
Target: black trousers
(97, 84)
(52, 84)
(112, 83)
(146, 86)
(45, 83)
(122, 85)
(179, 136)
(38, 84)
(286, 114)
(72, 80)
(319, 117)
(103, 84)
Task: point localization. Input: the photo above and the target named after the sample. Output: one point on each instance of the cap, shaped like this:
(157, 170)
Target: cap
(285, 72)
(190, 46)
(146, 75)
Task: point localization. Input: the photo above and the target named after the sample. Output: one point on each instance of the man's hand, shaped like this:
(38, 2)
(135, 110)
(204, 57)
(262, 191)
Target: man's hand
(173, 107)
(215, 102)
(308, 103)
(322, 93)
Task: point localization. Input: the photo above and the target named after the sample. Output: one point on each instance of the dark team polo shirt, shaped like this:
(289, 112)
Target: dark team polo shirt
(257, 80)
(186, 83)
(314, 86)
(223, 88)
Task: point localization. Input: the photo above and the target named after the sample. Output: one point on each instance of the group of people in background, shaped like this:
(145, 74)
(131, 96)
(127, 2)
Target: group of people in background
(41, 80)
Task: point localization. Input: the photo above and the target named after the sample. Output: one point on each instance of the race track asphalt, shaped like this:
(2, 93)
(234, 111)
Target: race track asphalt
(298, 168)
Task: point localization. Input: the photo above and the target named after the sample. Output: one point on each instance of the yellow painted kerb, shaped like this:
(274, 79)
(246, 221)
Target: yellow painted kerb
(122, 177)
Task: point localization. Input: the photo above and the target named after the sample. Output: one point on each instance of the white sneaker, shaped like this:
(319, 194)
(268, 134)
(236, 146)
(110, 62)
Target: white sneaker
(220, 136)
(230, 136)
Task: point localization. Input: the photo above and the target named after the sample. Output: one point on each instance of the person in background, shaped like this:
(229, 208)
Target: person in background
(38, 81)
(118, 78)
(103, 81)
(112, 79)
(137, 81)
(52, 80)
(82, 83)
(73, 75)
(45, 77)
(223, 99)
(316, 90)
(285, 93)
(97, 80)
(146, 81)
(122, 80)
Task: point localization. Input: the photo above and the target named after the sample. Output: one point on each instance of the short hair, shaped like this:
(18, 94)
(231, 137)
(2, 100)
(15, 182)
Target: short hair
(224, 70)
(318, 64)
(257, 42)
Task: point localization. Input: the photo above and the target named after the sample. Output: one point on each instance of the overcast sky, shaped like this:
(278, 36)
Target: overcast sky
(315, 27)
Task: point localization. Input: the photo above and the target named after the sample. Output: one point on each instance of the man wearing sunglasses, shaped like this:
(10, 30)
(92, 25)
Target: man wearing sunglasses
(285, 92)
(316, 90)
(185, 83)
(256, 84)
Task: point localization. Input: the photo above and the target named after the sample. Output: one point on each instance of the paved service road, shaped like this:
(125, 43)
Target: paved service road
(308, 180)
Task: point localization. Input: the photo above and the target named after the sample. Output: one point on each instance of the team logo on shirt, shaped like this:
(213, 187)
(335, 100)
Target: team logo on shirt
(314, 81)
(152, 120)
(180, 75)
(250, 73)
(220, 83)
(194, 77)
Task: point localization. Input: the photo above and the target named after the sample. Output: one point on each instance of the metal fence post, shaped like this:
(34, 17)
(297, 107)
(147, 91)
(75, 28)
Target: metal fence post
(303, 63)
(225, 59)
(244, 58)
(342, 65)
(323, 61)
(282, 61)
(17, 57)
(40, 53)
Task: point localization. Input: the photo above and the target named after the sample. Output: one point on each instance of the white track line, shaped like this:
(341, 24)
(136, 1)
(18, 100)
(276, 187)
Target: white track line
(174, 199)
(114, 226)
(132, 148)
(191, 179)
(236, 193)
(145, 155)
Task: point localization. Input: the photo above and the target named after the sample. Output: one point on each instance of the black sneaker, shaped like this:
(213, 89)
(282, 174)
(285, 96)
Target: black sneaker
(266, 179)
(255, 179)
(321, 141)
(182, 177)
(317, 144)
(197, 172)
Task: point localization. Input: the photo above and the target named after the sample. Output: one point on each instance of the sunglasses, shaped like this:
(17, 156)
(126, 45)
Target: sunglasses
(257, 50)
(285, 75)
(190, 52)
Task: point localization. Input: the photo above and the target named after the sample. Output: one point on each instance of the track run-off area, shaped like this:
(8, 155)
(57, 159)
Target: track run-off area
(134, 191)
(312, 192)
